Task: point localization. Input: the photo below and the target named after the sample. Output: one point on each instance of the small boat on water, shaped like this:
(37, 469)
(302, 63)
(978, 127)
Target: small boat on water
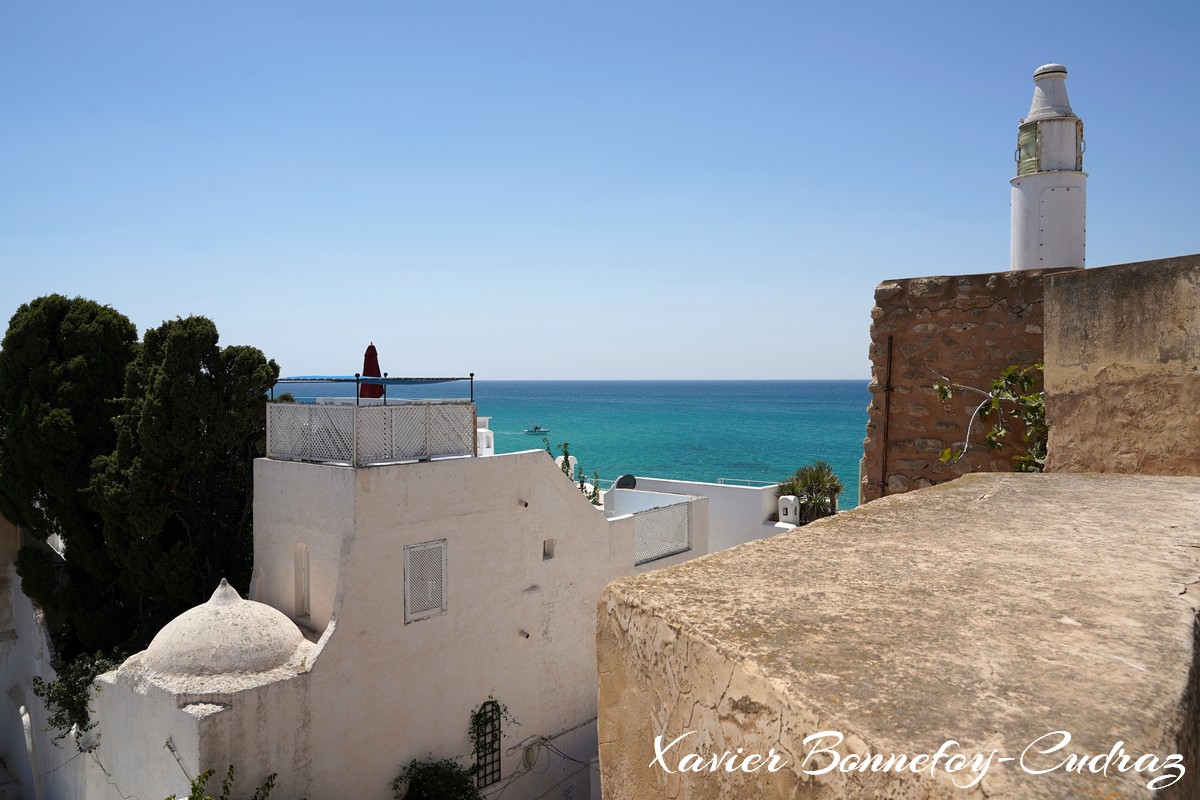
(537, 429)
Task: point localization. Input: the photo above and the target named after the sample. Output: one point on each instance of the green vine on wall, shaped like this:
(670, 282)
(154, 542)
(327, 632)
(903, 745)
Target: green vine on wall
(445, 778)
(1013, 399)
(592, 493)
(479, 721)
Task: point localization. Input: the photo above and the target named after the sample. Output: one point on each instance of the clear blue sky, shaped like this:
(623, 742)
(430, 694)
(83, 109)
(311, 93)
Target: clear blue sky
(563, 189)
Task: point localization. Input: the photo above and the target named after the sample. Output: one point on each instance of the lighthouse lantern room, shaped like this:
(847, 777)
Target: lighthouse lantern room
(1049, 191)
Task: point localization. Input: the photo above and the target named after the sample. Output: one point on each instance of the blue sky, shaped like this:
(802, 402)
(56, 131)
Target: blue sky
(563, 189)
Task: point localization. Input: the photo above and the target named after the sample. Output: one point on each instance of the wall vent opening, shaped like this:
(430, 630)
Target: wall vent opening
(424, 580)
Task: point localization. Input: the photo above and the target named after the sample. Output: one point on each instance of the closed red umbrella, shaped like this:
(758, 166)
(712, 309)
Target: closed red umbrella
(371, 369)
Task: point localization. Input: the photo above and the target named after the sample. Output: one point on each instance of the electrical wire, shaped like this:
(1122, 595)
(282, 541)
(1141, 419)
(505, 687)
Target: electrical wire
(47, 772)
(109, 778)
(570, 730)
(569, 758)
(565, 778)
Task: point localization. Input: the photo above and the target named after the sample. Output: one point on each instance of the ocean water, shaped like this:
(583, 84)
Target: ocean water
(690, 430)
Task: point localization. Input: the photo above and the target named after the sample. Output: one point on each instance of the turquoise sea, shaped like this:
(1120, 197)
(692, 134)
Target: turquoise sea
(694, 430)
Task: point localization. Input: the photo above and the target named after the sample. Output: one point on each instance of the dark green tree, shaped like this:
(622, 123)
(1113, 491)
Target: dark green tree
(140, 458)
(62, 368)
(176, 493)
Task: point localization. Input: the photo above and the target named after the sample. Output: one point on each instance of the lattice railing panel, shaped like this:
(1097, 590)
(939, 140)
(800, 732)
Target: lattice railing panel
(451, 429)
(374, 434)
(299, 432)
(311, 433)
(660, 532)
(408, 432)
(288, 431)
(332, 434)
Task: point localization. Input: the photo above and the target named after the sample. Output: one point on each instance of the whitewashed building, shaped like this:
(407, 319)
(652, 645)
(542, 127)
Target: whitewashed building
(400, 583)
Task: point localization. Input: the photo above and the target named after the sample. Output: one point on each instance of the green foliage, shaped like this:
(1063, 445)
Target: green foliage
(1013, 400)
(197, 791)
(443, 779)
(478, 725)
(817, 486)
(446, 779)
(592, 493)
(176, 492)
(67, 697)
(565, 449)
(140, 457)
(285, 397)
(62, 366)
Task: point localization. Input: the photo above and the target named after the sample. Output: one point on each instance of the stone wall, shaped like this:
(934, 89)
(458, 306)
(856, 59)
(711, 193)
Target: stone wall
(1123, 368)
(966, 327)
(991, 611)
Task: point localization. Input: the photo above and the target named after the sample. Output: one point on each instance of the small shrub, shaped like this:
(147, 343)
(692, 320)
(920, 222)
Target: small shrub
(817, 486)
(198, 784)
(443, 779)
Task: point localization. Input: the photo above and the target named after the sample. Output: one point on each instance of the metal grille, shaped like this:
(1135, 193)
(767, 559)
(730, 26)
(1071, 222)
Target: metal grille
(424, 580)
(660, 532)
(487, 743)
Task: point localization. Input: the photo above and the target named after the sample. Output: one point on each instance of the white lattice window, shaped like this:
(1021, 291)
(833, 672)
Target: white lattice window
(424, 580)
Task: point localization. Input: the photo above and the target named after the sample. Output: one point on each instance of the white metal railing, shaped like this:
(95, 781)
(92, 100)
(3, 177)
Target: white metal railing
(661, 532)
(361, 435)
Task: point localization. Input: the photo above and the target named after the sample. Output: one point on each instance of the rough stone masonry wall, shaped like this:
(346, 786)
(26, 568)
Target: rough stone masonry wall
(967, 327)
(1123, 368)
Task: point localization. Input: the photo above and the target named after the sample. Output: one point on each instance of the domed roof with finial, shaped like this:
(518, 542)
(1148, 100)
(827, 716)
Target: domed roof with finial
(223, 636)
(1049, 94)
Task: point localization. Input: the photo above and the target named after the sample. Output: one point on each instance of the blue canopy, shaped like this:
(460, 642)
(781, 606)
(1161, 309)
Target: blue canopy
(367, 379)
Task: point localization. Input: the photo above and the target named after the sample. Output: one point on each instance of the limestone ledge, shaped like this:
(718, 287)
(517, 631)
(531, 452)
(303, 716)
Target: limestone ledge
(991, 610)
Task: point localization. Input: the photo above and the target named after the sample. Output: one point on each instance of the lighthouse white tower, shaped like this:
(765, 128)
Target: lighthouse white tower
(1049, 192)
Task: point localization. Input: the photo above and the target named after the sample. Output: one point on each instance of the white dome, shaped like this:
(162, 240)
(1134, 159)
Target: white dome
(225, 635)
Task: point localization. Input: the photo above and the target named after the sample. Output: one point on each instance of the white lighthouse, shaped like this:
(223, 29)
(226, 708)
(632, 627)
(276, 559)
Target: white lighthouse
(1050, 190)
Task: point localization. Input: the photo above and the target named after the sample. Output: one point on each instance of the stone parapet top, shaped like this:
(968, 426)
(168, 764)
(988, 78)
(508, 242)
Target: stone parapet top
(992, 610)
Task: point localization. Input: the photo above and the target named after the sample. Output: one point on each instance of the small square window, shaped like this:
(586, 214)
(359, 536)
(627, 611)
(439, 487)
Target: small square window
(547, 549)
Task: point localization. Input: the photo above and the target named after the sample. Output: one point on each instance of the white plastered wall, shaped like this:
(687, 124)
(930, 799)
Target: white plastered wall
(136, 723)
(736, 514)
(519, 627)
(297, 503)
